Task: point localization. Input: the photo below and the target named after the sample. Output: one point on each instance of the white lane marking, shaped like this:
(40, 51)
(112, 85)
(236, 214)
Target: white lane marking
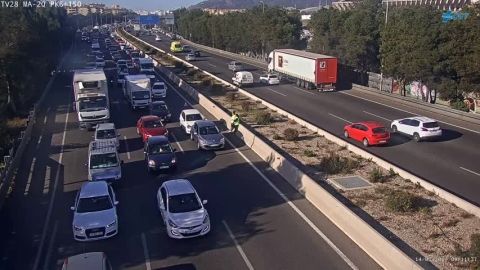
(27, 187)
(145, 252)
(338, 117)
(52, 199)
(210, 64)
(268, 88)
(293, 206)
(46, 184)
(126, 146)
(239, 248)
(50, 246)
(381, 117)
(45, 119)
(176, 142)
(402, 110)
(470, 171)
(39, 140)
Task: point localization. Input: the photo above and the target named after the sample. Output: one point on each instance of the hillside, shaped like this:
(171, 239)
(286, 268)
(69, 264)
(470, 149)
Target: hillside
(237, 4)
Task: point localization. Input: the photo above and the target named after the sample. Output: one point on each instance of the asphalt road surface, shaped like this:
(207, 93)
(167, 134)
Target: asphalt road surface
(451, 162)
(258, 221)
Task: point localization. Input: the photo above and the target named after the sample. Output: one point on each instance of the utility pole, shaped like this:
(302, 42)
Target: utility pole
(263, 32)
(381, 67)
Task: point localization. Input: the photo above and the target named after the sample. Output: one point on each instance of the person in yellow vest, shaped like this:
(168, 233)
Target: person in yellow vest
(235, 122)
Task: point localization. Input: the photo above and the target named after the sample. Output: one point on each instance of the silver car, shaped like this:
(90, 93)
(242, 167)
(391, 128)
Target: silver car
(207, 136)
(106, 132)
(103, 161)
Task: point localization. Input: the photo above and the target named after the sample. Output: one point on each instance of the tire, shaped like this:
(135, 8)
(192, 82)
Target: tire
(198, 146)
(416, 137)
(191, 136)
(345, 134)
(365, 142)
(298, 83)
(394, 129)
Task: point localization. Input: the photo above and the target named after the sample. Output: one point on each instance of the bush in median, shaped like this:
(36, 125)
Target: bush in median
(263, 118)
(401, 201)
(290, 134)
(333, 164)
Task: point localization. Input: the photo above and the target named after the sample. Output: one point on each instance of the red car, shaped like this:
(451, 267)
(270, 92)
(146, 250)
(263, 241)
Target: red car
(369, 133)
(150, 125)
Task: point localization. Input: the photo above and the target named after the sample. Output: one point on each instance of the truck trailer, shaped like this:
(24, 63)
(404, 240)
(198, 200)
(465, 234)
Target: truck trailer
(309, 70)
(137, 90)
(90, 91)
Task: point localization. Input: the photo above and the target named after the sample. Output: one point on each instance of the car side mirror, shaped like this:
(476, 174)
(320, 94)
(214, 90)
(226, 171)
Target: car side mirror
(162, 206)
(204, 202)
(72, 208)
(116, 202)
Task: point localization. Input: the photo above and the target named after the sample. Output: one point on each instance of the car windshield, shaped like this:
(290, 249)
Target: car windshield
(153, 124)
(135, 54)
(101, 161)
(106, 134)
(430, 125)
(379, 130)
(94, 204)
(193, 117)
(160, 148)
(159, 107)
(273, 76)
(159, 86)
(208, 130)
(183, 203)
(147, 65)
(91, 104)
(141, 95)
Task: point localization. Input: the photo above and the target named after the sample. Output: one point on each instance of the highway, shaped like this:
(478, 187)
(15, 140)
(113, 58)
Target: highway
(258, 220)
(450, 162)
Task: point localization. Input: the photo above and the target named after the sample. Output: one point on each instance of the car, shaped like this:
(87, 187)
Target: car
(135, 55)
(243, 78)
(159, 90)
(269, 79)
(188, 117)
(90, 260)
(99, 63)
(106, 132)
(369, 133)
(183, 213)
(151, 75)
(207, 136)
(95, 45)
(95, 212)
(159, 154)
(121, 77)
(186, 49)
(103, 161)
(157, 38)
(235, 66)
(116, 56)
(129, 63)
(418, 127)
(150, 125)
(122, 64)
(160, 109)
(196, 53)
(190, 57)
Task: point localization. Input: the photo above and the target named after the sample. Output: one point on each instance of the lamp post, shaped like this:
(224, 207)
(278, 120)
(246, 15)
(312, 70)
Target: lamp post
(263, 32)
(381, 67)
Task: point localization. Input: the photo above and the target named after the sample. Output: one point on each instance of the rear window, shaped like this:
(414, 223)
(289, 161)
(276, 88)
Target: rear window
(379, 130)
(430, 125)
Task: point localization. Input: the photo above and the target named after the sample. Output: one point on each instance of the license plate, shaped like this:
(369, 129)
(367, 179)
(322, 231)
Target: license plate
(214, 145)
(164, 167)
(96, 234)
(383, 141)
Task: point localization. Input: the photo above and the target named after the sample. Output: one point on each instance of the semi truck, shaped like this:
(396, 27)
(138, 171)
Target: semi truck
(309, 70)
(90, 91)
(137, 90)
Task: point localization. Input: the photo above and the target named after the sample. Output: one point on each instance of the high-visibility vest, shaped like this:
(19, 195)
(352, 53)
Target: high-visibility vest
(236, 120)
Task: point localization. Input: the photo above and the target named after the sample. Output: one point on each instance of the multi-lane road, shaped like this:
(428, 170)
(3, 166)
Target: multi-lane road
(258, 221)
(451, 162)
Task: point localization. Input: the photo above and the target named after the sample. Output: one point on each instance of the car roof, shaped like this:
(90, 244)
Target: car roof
(178, 186)
(157, 139)
(150, 117)
(204, 123)
(105, 126)
(191, 111)
(158, 82)
(91, 261)
(158, 102)
(94, 189)
(102, 147)
(422, 119)
(371, 124)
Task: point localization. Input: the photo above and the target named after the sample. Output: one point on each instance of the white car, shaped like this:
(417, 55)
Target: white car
(157, 38)
(90, 260)
(159, 90)
(269, 79)
(95, 45)
(182, 210)
(190, 57)
(188, 117)
(418, 127)
(95, 212)
(107, 132)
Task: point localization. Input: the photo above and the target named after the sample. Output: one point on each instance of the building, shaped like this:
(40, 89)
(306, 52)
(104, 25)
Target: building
(440, 4)
(221, 11)
(86, 10)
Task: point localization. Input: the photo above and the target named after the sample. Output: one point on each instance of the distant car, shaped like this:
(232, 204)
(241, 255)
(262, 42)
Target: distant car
(95, 212)
(159, 90)
(107, 132)
(188, 117)
(235, 66)
(190, 57)
(116, 56)
(159, 154)
(150, 125)
(186, 48)
(197, 53)
(207, 136)
(157, 38)
(122, 64)
(90, 260)
(369, 133)
(160, 109)
(95, 45)
(103, 161)
(182, 210)
(121, 77)
(99, 63)
(129, 63)
(269, 79)
(418, 127)
(243, 78)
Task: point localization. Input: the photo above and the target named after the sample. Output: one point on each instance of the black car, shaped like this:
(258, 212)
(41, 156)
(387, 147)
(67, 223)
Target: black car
(159, 154)
(196, 53)
(160, 109)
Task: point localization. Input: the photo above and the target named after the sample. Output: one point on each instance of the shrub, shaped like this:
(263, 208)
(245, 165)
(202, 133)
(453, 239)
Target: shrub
(401, 201)
(191, 72)
(309, 153)
(206, 81)
(198, 76)
(392, 173)
(263, 118)
(246, 105)
(475, 249)
(334, 163)
(179, 65)
(459, 105)
(290, 134)
(231, 96)
(276, 137)
(376, 176)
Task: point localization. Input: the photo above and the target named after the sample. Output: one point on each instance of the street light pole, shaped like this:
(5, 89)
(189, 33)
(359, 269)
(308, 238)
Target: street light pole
(263, 32)
(381, 67)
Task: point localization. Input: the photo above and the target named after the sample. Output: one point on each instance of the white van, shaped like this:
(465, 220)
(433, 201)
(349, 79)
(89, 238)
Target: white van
(243, 78)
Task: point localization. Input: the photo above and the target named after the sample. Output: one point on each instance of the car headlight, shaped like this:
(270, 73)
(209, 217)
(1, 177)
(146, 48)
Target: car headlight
(151, 163)
(173, 225)
(77, 229)
(112, 224)
(173, 160)
(148, 135)
(222, 140)
(201, 140)
(169, 115)
(206, 219)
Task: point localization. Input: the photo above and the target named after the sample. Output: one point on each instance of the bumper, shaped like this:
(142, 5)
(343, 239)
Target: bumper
(185, 233)
(163, 95)
(378, 141)
(81, 236)
(212, 146)
(92, 124)
(431, 134)
(162, 167)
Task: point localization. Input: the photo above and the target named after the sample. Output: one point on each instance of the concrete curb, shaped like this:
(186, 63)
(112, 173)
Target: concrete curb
(373, 243)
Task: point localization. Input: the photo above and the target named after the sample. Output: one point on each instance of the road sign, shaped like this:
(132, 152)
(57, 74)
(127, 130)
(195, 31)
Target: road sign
(149, 19)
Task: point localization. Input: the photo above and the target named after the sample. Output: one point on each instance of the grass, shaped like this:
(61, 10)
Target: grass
(333, 164)
(401, 201)
(450, 223)
(465, 215)
(290, 134)
(309, 153)
(376, 176)
(246, 105)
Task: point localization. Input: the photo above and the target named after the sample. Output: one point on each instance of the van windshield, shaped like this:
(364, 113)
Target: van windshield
(90, 104)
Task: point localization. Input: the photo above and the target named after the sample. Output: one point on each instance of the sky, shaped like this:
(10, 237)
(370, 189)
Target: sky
(150, 4)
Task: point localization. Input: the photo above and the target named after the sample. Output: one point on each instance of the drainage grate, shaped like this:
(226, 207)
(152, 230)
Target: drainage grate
(350, 182)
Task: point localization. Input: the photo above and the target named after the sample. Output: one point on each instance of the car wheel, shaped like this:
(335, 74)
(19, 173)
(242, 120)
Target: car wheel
(345, 134)
(191, 136)
(365, 142)
(394, 129)
(198, 146)
(416, 137)
(149, 170)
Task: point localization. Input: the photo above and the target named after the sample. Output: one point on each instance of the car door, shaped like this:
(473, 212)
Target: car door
(362, 132)
(403, 126)
(182, 118)
(354, 132)
(414, 126)
(163, 203)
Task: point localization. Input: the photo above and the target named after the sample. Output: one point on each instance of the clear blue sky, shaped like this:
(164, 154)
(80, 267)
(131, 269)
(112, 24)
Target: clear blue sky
(148, 4)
